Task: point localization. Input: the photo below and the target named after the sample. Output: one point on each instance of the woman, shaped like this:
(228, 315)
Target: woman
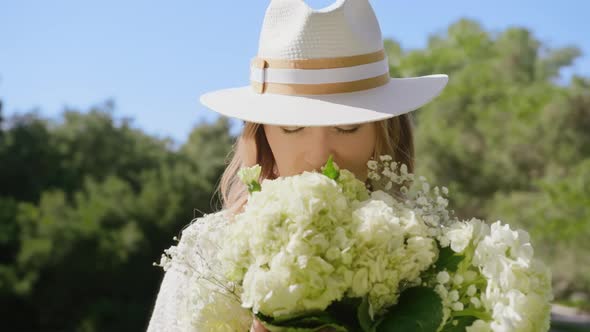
(290, 150)
(320, 85)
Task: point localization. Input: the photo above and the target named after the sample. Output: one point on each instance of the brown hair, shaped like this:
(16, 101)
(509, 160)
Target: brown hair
(394, 137)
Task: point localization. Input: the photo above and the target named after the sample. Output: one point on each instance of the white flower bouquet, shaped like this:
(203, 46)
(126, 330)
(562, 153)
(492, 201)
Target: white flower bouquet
(323, 250)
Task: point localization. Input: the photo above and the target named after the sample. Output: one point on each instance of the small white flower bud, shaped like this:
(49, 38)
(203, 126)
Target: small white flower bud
(443, 277)
(457, 306)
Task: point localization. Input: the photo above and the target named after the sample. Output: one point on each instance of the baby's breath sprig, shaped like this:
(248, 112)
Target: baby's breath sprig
(414, 191)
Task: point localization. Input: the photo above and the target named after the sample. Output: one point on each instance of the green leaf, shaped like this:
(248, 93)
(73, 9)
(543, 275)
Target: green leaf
(363, 315)
(345, 311)
(330, 170)
(253, 186)
(419, 309)
(342, 315)
(448, 260)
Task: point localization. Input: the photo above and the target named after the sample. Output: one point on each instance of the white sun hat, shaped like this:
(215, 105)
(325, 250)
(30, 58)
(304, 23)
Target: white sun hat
(322, 67)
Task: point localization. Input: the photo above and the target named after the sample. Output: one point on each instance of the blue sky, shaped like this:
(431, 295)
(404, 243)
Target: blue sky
(155, 59)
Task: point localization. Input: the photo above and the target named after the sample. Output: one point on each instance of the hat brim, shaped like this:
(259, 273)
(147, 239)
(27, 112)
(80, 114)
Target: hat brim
(399, 96)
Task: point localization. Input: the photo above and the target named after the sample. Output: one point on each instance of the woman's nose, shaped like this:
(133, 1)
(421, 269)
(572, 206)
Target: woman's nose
(318, 154)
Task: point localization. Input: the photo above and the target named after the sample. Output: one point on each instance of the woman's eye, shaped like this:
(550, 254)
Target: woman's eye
(352, 130)
(290, 131)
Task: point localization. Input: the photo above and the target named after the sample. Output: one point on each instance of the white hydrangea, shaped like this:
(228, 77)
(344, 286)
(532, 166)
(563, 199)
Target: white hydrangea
(317, 240)
(277, 247)
(459, 236)
(393, 245)
(499, 281)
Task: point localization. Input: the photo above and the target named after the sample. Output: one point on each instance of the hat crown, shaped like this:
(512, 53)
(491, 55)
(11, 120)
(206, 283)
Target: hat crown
(292, 30)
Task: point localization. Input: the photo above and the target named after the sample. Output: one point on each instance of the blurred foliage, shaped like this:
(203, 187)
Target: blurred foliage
(509, 141)
(88, 202)
(86, 206)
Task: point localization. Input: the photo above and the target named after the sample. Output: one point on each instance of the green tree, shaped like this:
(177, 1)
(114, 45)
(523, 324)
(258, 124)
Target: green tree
(81, 246)
(504, 136)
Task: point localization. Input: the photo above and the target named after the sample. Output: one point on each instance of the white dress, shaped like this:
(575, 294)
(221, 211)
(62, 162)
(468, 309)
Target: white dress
(186, 302)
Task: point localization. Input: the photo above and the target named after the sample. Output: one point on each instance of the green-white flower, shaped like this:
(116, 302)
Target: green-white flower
(249, 176)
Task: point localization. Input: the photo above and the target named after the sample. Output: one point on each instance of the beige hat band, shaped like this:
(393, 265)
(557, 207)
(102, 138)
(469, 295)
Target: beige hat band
(320, 63)
(321, 75)
(320, 89)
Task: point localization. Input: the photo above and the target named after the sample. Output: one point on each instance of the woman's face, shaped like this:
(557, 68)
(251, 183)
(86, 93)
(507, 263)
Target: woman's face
(299, 149)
